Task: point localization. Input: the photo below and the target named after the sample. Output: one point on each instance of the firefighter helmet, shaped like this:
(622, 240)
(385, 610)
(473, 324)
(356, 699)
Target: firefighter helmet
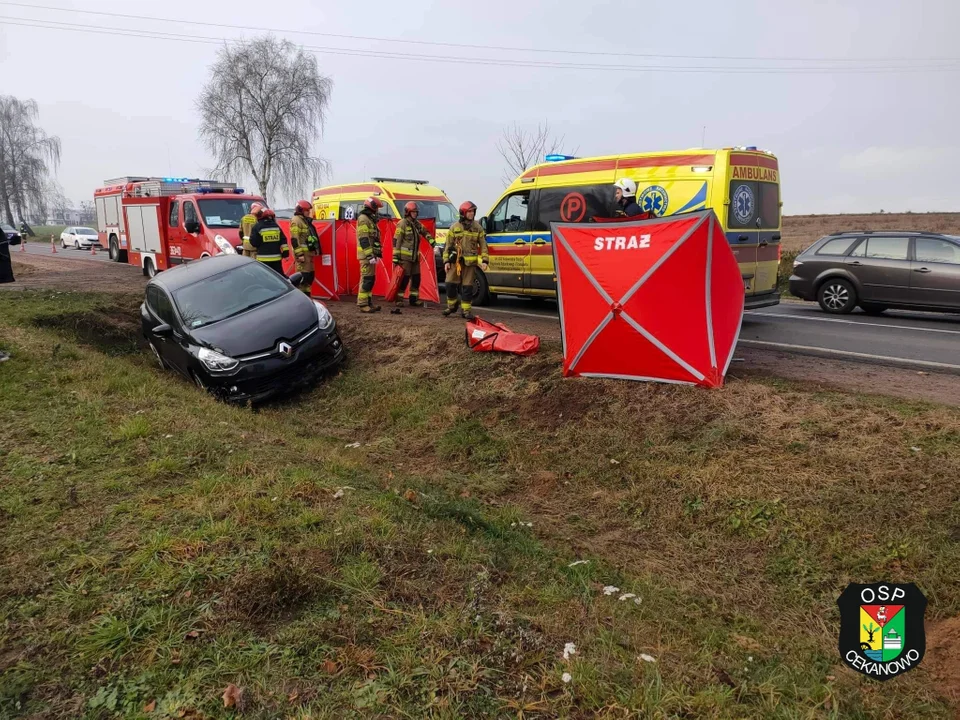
(410, 207)
(304, 207)
(372, 203)
(467, 207)
(268, 214)
(256, 209)
(628, 187)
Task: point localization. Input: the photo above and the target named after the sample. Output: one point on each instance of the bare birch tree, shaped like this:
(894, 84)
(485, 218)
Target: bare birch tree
(263, 111)
(27, 155)
(521, 148)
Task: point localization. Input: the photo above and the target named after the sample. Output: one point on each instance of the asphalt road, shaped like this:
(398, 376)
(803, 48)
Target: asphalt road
(924, 341)
(37, 248)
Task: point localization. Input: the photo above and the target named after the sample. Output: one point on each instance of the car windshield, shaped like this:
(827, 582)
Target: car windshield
(443, 212)
(7, 228)
(230, 293)
(86, 232)
(225, 212)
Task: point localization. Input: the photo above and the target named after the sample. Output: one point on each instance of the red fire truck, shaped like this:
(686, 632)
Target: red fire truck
(156, 223)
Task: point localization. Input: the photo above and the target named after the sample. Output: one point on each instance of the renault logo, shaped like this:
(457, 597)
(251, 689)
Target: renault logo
(285, 349)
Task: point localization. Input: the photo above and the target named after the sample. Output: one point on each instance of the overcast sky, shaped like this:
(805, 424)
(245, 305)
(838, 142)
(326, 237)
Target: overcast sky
(847, 141)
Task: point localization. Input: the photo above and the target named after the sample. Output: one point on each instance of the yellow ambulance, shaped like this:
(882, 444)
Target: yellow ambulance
(344, 202)
(742, 185)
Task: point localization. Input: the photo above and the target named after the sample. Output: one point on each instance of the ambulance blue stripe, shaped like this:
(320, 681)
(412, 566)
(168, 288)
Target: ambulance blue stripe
(698, 202)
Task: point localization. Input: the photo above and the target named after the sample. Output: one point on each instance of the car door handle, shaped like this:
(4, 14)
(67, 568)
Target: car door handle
(776, 237)
(743, 238)
(922, 270)
(764, 243)
(539, 242)
(519, 242)
(856, 263)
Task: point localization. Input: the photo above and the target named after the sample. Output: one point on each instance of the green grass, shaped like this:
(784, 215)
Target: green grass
(157, 546)
(785, 271)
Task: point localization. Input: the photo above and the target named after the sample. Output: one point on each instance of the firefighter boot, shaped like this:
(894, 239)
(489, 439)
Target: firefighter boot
(467, 315)
(452, 307)
(415, 301)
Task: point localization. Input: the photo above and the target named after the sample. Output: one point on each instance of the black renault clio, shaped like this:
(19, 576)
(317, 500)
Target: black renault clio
(238, 329)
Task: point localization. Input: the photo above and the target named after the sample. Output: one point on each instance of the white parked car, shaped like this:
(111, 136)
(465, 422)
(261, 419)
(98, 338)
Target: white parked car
(80, 238)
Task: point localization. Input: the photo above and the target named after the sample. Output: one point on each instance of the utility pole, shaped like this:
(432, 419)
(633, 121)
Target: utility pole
(703, 137)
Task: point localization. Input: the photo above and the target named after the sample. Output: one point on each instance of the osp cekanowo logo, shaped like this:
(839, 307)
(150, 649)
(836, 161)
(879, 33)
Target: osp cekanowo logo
(881, 628)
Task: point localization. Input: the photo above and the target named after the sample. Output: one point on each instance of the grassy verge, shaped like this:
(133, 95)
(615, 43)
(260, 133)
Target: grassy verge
(785, 271)
(156, 546)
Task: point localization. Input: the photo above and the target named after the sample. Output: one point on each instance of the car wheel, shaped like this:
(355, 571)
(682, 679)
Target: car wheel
(873, 309)
(76, 244)
(198, 382)
(156, 354)
(837, 296)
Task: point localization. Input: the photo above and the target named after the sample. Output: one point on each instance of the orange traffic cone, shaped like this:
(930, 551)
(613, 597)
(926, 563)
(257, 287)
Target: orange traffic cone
(23, 244)
(93, 248)
(53, 246)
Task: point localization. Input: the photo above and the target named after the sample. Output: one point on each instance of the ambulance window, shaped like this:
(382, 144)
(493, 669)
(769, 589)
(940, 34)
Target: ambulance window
(769, 205)
(175, 214)
(573, 204)
(743, 210)
(511, 214)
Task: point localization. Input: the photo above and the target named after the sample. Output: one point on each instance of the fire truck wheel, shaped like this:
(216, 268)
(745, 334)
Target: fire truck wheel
(114, 250)
(149, 269)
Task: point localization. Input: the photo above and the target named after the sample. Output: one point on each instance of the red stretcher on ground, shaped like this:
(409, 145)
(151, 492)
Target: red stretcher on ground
(483, 336)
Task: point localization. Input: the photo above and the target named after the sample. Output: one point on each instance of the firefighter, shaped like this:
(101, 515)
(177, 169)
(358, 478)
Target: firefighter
(465, 248)
(269, 242)
(406, 253)
(369, 253)
(246, 227)
(625, 195)
(306, 243)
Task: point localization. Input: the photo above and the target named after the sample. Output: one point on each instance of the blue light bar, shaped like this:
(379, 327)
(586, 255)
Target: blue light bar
(176, 180)
(559, 158)
(238, 191)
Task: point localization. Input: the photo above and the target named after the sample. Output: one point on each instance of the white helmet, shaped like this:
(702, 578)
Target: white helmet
(627, 186)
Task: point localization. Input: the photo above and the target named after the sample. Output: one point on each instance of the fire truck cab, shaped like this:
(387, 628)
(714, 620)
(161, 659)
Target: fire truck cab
(156, 223)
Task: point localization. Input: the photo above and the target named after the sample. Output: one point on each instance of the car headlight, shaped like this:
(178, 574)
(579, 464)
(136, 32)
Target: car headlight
(324, 316)
(796, 264)
(225, 247)
(216, 362)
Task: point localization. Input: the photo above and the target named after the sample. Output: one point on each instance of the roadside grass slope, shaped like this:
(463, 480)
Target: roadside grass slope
(156, 546)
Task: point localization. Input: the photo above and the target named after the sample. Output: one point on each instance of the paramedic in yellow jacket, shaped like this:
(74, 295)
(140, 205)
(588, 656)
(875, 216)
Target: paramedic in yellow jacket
(246, 227)
(303, 237)
(465, 248)
(406, 252)
(369, 253)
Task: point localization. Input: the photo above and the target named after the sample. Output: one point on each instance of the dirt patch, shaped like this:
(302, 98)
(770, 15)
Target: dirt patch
(114, 331)
(800, 231)
(840, 375)
(942, 659)
(23, 270)
(276, 592)
(54, 272)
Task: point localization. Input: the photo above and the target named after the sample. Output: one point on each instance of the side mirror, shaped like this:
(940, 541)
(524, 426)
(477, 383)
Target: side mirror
(483, 223)
(163, 330)
(192, 226)
(296, 279)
